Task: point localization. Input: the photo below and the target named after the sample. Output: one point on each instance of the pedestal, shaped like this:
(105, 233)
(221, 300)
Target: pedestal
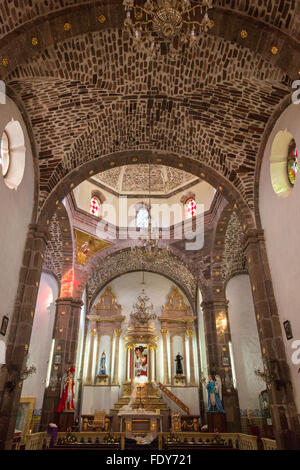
(216, 421)
(64, 420)
(180, 380)
(102, 379)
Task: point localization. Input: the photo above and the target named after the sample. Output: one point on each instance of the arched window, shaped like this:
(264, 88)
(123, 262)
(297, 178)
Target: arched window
(142, 217)
(292, 162)
(190, 208)
(5, 158)
(95, 206)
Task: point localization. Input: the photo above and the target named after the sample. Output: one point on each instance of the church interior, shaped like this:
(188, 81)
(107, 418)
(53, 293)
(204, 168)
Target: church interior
(150, 218)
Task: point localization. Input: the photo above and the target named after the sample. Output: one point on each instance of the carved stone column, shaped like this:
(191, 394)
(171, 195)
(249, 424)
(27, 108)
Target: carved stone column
(190, 335)
(283, 409)
(149, 363)
(93, 336)
(20, 331)
(117, 333)
(164, 333)
(65, 335)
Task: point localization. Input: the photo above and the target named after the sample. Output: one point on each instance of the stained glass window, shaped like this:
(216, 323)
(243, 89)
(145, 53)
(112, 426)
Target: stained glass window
(95, 206)
(142, 218)
(292, 162)
(4, 159)
(190, 208)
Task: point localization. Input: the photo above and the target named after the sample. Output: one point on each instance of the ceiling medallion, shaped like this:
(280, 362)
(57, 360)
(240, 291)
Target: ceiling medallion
(174, 23)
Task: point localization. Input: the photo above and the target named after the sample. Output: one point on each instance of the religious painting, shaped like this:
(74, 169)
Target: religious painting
(24, 417)
(288, 329)
(4, 325)
(141, 361)
(225, 361)
(57, 359)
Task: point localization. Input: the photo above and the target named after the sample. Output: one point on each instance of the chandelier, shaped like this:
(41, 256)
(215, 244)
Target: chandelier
(173, 22)
(149, 251)
(143, 310)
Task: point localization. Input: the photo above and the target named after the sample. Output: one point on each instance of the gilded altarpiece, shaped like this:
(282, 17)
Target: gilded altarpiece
(177, 320)
(106, 320)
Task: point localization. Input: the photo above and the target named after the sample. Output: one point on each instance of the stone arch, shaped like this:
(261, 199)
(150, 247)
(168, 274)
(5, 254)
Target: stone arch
(228, 253)
(206, 173)
(122, 262)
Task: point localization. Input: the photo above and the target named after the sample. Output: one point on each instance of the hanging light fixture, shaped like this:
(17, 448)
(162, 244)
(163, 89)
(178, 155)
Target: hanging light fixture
(172, 22)
(148, 251)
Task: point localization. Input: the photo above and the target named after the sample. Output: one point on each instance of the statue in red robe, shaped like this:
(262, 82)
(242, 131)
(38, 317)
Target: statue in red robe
(66, 401)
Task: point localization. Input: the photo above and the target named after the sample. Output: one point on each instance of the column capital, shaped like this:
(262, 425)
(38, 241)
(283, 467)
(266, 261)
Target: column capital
(38, 231)
(117, 332)
(253, 236)
(68, 301)
(164, 331)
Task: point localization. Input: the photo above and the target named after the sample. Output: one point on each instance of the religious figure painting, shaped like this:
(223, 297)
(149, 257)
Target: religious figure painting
(141, 361)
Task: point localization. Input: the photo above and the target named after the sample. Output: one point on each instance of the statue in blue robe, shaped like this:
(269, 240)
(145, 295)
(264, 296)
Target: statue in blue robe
(102, 368)
(214, 389)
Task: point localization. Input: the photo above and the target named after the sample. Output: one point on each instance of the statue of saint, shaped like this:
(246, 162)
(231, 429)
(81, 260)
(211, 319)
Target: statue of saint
(102, 368)
(179, 369)
(214, 389)
(66, 401)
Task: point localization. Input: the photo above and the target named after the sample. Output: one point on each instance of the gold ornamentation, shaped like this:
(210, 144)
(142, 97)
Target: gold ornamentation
(244, 34)
(134, 159)
(112, 163)
(26, 347)
(164, 331)
(93, 332)
(91, 172)
(180, 165)
(221, 322)
(274, 50)
(118, 332)
(34, 41)
(101, 19)
(87, 246)
(5, 62)
(67, 27)
(189, 333)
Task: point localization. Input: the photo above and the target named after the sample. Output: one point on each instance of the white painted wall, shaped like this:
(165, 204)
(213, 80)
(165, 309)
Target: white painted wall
(280, 219)
(15, 214)
(40, 342)
(127, 288)
(245, 341)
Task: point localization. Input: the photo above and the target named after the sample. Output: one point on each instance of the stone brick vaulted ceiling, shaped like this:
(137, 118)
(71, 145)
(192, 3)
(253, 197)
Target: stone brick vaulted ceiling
(87, 93)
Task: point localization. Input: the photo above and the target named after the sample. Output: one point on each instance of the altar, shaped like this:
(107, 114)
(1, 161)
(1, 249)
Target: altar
(140, 423)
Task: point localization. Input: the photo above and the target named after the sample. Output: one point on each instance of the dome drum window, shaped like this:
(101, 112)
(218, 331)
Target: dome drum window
(95, 206)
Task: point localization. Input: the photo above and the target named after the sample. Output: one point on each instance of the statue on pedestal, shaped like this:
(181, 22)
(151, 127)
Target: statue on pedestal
(178, 360)
(214, 389)
(102, 368)
(66, 401)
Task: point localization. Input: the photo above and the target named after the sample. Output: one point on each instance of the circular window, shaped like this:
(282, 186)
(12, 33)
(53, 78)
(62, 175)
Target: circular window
(292, 162)
(4, 154)
(283, 163)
